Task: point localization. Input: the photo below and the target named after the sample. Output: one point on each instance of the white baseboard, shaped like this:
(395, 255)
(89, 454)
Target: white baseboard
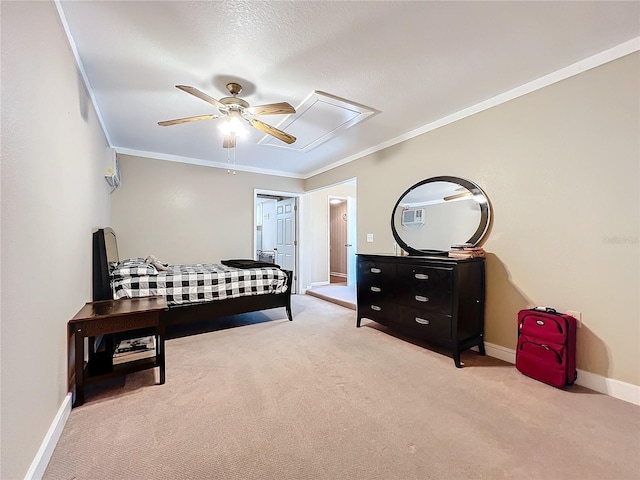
(48, 445)
(608, 386)
(501, 353)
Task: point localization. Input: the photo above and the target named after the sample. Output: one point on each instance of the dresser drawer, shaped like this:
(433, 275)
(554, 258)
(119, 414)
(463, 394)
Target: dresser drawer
(375, 292)
(381, 275)
(381, 312)
(425, 287)
(423, 324)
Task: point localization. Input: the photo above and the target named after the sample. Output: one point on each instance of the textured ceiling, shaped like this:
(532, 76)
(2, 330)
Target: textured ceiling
(414, 63)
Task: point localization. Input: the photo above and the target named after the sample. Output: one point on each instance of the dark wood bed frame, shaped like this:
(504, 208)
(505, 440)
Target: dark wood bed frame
(105, 251)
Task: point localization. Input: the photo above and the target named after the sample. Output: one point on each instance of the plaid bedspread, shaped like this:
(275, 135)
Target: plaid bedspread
(199, 283)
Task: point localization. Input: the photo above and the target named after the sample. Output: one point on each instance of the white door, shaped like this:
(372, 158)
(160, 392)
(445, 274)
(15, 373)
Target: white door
(286, 234)
(352, 239)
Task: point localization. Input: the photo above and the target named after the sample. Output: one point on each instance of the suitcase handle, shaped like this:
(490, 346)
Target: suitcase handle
(545, 309)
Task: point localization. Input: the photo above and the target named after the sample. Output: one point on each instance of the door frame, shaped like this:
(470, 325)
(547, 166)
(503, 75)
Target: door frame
(279, 193)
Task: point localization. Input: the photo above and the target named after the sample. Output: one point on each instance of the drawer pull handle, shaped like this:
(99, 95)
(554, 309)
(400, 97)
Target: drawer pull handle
(421, 298)
(421, 276)
(375, 270)
(376, 308)
(422, 321)
(376, 289)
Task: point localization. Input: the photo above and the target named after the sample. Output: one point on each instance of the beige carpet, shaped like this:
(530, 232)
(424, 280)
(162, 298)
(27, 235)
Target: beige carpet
(317, 398)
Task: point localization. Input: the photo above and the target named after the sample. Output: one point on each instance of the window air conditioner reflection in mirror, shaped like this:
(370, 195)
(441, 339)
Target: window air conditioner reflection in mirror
(412, 218)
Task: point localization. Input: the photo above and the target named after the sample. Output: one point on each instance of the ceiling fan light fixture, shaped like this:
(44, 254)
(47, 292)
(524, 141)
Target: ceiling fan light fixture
(233, 125)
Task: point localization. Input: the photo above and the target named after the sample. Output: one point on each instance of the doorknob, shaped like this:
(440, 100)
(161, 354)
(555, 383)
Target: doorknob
(348, 245)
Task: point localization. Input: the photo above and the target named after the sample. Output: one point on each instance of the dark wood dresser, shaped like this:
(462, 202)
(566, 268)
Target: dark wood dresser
(433, 298)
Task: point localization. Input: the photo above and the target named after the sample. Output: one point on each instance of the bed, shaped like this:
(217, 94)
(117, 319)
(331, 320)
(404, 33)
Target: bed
(194, 292)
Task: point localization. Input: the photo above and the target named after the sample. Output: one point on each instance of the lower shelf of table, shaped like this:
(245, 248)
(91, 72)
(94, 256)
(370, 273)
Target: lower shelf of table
(101, 367)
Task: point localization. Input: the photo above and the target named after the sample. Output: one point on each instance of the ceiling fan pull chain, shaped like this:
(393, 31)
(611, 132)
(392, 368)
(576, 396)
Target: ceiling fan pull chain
(234, 159)
(229, 157)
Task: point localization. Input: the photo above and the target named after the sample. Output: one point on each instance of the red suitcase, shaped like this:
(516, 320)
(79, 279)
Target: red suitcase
(547, 346)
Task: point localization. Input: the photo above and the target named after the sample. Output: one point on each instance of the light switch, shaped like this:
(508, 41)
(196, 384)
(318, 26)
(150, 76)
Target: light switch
(369, 237)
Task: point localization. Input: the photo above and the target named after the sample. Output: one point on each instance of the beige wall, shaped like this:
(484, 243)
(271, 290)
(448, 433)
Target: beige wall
(53, 196)
(186, 213)
(561, 169)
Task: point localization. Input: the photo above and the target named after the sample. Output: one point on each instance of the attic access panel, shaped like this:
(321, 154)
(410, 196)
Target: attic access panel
(319, 118)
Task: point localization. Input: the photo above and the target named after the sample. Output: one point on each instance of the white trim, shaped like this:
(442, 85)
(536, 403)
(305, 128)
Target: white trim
(594, 61)
(352, 180)
(328, 239)
(204, 163)
(48, 445)
(83, 73)
(501, 353)
(608, 386)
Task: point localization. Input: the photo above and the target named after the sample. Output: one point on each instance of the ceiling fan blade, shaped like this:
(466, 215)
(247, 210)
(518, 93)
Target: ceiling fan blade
(273, 131)
(272, 109)
(229, 141)
(457, 195)
(201, 95)
(166, 123)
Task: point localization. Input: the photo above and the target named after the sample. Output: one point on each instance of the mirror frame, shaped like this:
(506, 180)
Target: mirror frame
(485, 213)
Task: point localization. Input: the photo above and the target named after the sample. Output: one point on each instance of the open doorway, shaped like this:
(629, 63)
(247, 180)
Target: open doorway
(275, 231)
(338, 244)
(330, 269)
(342, 240)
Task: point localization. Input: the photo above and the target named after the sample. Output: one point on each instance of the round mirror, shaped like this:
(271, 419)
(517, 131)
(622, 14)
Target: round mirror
(438, 212)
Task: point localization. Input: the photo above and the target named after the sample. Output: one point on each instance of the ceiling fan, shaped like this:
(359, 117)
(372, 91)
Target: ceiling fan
(463, 193)
(235, 110)
(457, 195)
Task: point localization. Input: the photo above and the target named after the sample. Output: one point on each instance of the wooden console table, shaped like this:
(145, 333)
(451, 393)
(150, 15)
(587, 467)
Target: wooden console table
(114, 319)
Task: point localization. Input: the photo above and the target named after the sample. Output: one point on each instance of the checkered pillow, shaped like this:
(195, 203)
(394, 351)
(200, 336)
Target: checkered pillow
(133, 267)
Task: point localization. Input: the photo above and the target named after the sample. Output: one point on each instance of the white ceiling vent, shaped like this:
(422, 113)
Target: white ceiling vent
(319, 118)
